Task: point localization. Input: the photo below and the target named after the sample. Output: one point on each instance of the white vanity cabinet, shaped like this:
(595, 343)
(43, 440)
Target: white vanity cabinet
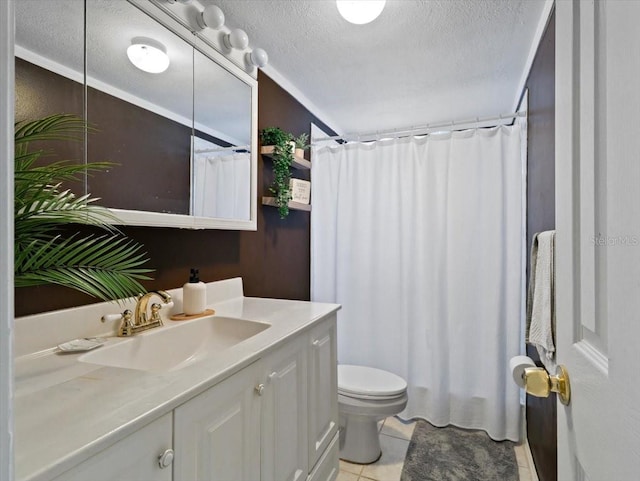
(275, 420)
(217, 433)
(284, 413)
(145, 454)
(323, 390)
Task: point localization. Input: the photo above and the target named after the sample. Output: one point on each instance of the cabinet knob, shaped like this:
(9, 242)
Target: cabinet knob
(260, 389)
(165, 459)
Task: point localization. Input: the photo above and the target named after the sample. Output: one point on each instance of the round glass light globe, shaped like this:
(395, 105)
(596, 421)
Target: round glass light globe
(259, 57)
(211, 17)
(237, 38)
(148, 55)
(360, 11)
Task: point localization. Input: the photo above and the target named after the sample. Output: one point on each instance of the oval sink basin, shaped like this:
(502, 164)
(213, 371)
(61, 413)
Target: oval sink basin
(176, 345)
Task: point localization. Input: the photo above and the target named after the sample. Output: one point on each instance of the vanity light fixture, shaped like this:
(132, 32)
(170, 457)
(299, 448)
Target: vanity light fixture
(257, 58)
(148, 55)
(360, 11)
(211, 17)
(237, 38)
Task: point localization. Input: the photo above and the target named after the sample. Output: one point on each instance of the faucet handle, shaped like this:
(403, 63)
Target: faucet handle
(155, 312)
(114, 317)
(156, 307)
(126, 327)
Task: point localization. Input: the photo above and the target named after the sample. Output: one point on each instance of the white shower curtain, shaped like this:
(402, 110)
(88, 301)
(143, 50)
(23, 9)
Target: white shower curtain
(221, 185)
(421, 241)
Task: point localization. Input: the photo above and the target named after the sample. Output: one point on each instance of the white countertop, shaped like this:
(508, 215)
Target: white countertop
(66, 411)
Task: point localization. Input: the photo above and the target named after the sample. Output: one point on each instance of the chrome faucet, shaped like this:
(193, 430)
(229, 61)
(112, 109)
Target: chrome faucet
(138, 322)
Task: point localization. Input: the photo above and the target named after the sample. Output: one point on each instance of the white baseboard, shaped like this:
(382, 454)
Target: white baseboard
(532, 466)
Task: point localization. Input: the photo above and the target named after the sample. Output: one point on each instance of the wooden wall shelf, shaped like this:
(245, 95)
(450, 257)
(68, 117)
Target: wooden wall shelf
(298, 162)
(271, 201)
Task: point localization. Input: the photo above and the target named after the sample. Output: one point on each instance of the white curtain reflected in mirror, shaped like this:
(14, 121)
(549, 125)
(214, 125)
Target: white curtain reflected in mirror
(221, 180)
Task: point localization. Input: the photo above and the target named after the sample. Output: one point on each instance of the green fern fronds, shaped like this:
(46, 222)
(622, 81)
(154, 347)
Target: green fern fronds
(108, 267)
(102, 266)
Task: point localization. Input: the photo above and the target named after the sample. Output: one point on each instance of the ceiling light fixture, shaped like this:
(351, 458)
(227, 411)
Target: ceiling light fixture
(237, 38)
(257, 58)
(360, 11)
(211, 17)
(148, 55)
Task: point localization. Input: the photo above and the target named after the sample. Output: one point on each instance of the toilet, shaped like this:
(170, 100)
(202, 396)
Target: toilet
(365, 396)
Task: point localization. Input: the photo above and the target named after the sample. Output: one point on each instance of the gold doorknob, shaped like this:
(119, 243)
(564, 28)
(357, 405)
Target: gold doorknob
(539, 383)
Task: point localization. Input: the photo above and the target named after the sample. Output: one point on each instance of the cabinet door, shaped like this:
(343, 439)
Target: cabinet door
(284, 413)
(217, 433)
(323, 388)
(328, 467)
(132, 459)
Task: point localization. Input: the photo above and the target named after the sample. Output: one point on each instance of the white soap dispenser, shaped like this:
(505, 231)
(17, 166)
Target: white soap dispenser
(194, 295)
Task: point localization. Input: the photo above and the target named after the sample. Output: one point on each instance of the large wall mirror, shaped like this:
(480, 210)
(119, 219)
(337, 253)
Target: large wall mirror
(183, 141)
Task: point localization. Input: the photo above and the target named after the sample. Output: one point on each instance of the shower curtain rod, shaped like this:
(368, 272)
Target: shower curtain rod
(419, 130)
(222, 149)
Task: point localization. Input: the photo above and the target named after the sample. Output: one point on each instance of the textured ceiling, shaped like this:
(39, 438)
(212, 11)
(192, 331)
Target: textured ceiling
(421, 61)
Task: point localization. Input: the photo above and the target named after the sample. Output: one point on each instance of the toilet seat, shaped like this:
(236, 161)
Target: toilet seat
(365, 396)
(362, 382)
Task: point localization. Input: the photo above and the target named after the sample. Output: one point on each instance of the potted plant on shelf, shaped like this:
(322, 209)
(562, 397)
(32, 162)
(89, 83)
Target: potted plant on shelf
(282, 156)
(105, 266)
(272, 136)
(301, 144)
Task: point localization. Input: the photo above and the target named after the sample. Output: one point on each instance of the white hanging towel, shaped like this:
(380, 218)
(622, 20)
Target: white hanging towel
(541, 319)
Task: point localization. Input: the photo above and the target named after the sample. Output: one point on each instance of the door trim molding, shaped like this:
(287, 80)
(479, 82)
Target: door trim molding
(7, 95)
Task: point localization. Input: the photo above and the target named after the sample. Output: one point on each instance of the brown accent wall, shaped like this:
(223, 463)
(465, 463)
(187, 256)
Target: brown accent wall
(152, 154)
(40, 93)
(541, 413)
(273, 261)
(141, 143)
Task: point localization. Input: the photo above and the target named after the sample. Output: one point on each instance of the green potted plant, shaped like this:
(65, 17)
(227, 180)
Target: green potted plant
(302, 144)
(272, 136)
(105, 266)
(282, 156)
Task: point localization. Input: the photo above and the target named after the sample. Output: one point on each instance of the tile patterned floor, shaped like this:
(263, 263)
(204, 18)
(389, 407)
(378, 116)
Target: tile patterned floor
(394, 439)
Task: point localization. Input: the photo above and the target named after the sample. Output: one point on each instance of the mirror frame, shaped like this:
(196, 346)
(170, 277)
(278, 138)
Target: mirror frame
(180, 26)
